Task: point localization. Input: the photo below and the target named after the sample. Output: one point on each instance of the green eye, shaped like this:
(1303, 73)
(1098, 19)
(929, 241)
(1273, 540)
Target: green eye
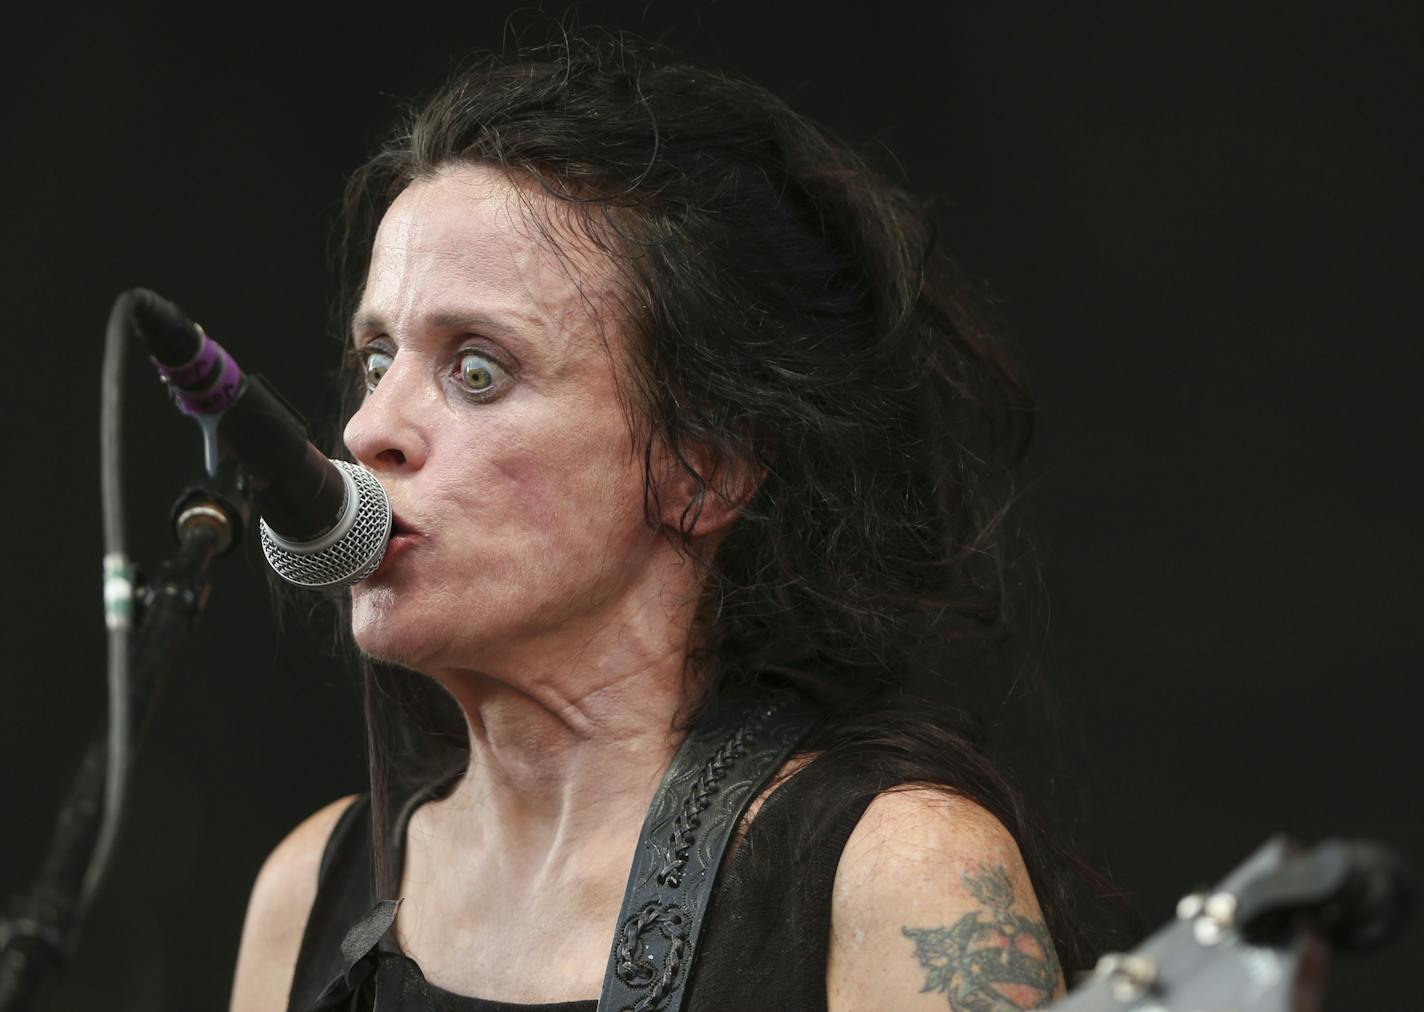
(376, 364)
(478, 373)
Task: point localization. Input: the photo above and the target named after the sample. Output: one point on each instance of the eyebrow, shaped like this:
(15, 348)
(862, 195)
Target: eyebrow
(370, 321)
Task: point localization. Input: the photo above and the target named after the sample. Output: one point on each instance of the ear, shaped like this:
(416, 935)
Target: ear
(710, 504)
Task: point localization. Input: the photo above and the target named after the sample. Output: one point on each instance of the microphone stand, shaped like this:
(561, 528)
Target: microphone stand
(41, 931)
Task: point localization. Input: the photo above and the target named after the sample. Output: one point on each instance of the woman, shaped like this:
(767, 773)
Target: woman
(690, 431)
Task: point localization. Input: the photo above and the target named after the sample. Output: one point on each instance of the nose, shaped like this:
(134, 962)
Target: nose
(385, 433)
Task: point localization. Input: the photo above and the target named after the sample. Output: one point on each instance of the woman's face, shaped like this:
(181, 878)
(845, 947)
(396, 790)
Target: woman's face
(494, 420)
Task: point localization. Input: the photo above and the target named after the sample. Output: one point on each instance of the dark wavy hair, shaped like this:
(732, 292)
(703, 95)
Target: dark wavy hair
(791, 313)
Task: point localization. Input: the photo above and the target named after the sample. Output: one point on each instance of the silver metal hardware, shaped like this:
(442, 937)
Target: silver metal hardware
(118, 591)
(210, 516)
(1190, 906)
(1221, 907)
(350, 551)
(1130, 976)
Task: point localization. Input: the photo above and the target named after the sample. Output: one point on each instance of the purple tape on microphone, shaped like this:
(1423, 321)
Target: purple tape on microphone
(211, 398)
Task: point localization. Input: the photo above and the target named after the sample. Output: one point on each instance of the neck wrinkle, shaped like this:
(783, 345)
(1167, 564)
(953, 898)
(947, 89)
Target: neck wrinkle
(548, 769)
(571, 735)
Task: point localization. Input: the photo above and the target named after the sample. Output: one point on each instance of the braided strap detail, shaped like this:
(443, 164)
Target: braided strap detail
(713, 778)
(699, 795)
(632, 963)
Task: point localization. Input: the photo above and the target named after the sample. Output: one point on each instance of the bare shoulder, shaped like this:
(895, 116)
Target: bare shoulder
(277, 913)
(933, 909)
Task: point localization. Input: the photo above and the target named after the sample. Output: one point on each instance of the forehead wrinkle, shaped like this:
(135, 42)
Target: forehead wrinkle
(553, 296)
(504, 253)
(559, 270)
(442, 250)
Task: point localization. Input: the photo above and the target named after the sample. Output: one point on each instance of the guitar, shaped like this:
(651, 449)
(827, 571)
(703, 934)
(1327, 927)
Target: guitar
(1260, 941)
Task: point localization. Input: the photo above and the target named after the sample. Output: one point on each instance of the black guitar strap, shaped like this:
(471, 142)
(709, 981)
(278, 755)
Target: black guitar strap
(720, 768)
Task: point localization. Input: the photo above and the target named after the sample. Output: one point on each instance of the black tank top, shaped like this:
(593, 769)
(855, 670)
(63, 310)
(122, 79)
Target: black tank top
(767, 929)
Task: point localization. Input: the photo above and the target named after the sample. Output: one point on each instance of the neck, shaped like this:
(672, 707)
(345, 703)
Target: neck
(573, 748)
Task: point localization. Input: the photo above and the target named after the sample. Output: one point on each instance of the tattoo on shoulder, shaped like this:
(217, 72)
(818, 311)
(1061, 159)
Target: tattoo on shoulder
(993, 959)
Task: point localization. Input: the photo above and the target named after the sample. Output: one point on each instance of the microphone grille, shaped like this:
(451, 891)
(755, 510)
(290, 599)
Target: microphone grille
(351, 551)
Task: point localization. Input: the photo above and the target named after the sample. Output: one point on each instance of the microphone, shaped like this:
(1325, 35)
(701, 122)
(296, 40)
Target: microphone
(325, 523)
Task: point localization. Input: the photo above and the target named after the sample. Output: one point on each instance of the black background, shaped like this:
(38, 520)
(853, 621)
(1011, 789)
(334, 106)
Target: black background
(1203, 223)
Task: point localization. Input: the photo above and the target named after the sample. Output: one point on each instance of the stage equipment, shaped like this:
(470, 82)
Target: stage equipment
(1261, 940)
(324, 524)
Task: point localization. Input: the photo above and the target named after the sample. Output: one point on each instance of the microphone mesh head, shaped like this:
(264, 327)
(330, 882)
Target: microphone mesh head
(354, 547)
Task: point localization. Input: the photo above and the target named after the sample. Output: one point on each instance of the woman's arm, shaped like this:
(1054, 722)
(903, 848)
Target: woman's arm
(277, 914)
(933, 910)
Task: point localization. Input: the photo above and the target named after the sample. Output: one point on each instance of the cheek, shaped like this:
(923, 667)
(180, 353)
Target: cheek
(579, 473)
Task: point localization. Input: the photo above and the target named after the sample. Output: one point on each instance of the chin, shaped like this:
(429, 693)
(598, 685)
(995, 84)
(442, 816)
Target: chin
(384, 634)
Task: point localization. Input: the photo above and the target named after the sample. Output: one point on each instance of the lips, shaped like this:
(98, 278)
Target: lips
(400, 527)
(403, 536)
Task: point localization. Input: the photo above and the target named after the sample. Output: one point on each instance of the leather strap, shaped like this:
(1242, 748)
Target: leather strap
(717, 772)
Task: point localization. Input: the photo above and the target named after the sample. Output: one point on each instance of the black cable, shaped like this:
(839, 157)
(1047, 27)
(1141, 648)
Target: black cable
(118, 590)
(41, 928)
